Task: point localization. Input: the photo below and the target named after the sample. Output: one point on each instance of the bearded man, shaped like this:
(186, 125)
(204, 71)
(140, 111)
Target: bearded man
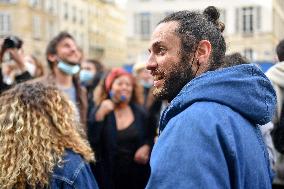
(209, 133)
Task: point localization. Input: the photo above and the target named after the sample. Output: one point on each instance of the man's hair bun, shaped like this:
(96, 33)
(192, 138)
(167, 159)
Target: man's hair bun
(213, 15)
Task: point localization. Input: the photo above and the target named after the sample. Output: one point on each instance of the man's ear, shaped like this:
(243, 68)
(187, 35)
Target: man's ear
(203, 51)
(52, 57)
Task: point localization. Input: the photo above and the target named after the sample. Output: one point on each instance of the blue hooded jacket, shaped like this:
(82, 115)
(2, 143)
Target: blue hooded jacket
(210, 136)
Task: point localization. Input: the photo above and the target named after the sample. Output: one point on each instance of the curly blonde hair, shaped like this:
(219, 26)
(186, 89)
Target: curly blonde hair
(37, 124)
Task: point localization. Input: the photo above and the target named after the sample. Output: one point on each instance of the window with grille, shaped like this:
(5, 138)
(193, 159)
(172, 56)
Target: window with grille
(5, 24)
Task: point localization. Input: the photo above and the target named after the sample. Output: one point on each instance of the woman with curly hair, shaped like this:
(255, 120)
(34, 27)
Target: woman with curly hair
(120, 134)
(40, 143)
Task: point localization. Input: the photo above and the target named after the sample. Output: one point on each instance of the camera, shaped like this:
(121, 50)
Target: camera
(12, 42)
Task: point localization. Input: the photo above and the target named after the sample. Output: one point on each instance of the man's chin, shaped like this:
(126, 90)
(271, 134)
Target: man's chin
(159, 93)
(73, 62)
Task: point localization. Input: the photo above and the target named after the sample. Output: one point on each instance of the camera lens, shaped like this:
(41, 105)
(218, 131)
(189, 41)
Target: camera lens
(12, 42)
(8, 43)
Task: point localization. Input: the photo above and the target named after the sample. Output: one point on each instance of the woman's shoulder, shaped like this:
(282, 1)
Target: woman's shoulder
(72, 158)
(72, 164)
(74, 172)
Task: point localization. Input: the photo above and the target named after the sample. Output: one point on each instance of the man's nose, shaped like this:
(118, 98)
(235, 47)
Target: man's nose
(74, 48)
(151, 63)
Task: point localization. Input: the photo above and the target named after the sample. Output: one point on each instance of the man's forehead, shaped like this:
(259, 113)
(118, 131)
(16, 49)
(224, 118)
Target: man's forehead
(163, 31)
(67, 40)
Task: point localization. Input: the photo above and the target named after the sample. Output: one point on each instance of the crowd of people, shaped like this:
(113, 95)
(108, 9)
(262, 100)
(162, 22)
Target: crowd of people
(188, 117)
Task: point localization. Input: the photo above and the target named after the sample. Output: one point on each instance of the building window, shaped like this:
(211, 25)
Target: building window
(36, 27)
(248, 20)
(74, 10)
(145, 25)
(81, 17)
(50, 30)
(81, 40)
(249, 54)
(142, 25)
(5, 24)
(65, 7)
(8, 1)
(50, 6)
(156, 18)
(258, 18)
(35, 3)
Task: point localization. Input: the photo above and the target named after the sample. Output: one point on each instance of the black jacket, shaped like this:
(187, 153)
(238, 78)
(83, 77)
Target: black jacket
(20, 78)
(102, 136)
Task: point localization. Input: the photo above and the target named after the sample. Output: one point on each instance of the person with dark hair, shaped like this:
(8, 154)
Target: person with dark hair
(119, 134)
(64, 57)
(153, 106)
(280, 51)
(208, 135)
(276, 76)
(90, 75)
(234, 59)
(14, 68)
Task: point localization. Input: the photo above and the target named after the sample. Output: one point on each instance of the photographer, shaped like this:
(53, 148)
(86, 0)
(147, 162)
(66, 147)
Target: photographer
(13, 69)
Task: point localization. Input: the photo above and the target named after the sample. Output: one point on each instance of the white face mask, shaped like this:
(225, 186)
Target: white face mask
(70, 69)
(8, 80)
(31, 68)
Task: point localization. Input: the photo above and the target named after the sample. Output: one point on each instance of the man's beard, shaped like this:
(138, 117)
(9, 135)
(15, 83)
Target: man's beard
(178, 76)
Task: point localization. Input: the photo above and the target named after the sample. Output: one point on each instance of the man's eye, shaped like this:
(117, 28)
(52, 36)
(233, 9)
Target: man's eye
(161, 50)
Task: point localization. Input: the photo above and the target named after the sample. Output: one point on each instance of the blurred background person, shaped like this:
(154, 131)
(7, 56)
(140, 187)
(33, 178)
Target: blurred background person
(13, 68)
(34, 66)
(234, 59)
(90, 75)
(40, 147)
(144, 78)
(64, 57)
(153, 106)
(276, 76)
(120, 134)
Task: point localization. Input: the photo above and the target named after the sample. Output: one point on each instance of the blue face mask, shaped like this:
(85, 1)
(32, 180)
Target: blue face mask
(67, 68)
(122, 98)
(86, 75)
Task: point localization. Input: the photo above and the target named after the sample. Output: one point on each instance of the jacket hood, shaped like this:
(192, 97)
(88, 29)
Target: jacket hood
(276, 74)
(243, 88)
